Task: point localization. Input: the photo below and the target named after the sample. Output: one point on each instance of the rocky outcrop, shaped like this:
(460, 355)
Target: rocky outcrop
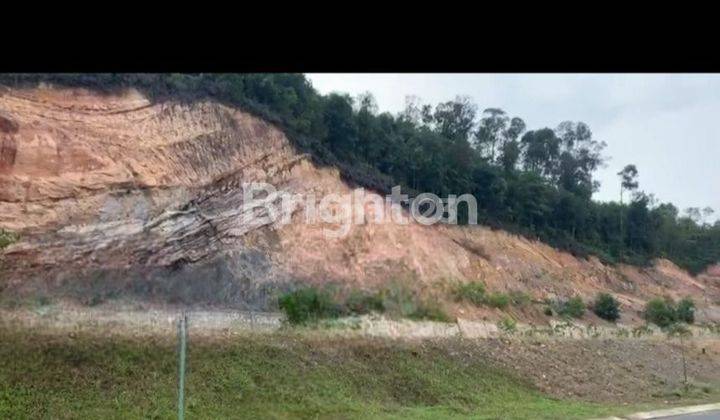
(115, 196)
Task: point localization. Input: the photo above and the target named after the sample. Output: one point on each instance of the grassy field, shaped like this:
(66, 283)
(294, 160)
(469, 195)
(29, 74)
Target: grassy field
(282, 375)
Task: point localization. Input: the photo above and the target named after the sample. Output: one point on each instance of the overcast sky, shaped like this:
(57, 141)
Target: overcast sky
(666, 124)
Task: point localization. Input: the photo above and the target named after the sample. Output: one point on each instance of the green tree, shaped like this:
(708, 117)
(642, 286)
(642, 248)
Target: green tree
(541, 151)
(342, 131)
(455, 120)
(491, 131)
(628, 180)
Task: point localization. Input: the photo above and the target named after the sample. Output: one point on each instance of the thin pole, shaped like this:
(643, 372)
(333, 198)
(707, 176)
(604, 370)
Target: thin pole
(182, 336)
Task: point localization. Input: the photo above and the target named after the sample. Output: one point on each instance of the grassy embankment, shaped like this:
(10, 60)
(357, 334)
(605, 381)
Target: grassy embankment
(263, 376)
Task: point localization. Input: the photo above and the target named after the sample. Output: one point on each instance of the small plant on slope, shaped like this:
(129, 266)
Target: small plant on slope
(308, 304)
(571, 308)
(473, 292)
(660, 312)
(606, 307)
(685, 311)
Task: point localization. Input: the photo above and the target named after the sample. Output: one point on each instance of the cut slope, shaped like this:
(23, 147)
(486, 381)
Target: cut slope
(116, 196)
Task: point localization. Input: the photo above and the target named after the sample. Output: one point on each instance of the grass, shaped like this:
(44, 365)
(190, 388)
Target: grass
(283, 375)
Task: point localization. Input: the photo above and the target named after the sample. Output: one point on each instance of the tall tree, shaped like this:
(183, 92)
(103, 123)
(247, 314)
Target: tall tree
(541, 151)
(628, 180)
(510, 149)
(491, 131)
(580, 156)
(455, 119)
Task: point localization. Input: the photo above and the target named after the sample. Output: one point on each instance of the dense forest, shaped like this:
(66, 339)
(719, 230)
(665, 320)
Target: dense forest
(537, 182)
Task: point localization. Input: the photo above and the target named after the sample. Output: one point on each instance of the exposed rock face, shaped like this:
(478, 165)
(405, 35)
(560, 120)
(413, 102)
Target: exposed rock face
(115, 196)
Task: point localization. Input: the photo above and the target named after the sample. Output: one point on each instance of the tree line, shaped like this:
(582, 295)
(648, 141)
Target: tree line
(535, 182)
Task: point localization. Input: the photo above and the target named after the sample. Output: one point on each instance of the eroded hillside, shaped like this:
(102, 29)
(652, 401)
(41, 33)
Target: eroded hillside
(115, 196)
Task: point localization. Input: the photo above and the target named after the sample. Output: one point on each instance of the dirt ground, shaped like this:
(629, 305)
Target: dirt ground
(627, 370)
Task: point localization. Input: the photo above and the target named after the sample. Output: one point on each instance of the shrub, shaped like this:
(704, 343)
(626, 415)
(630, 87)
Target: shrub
(497, 300)
(473, 292)
(685, 311)
(606, 307)
(519, 298)
(6, 238)
(308, 304)
(507, 324)
(548, 311)
(571, 308)
(660, 312)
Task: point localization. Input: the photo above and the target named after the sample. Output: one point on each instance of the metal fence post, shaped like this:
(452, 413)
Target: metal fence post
(182, 337)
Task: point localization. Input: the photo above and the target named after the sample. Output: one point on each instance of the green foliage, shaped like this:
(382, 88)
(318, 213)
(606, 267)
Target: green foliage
(537, 182)
(660, 312)
(308, 304)
(6, 238)
(473, 292)
(606, 307)
(400, 300)
(665, 313)
(507, 324)
(265, 376)
(571, 308)
(498, 300)
(685, 310)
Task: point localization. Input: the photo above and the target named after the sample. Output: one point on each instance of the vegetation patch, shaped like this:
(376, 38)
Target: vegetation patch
(266, 376)
(606, 307)
(309, 304)
(7, 238)
(474, 292)
(665, 312)
(569, 308)
(507, 324)
(497, 300)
